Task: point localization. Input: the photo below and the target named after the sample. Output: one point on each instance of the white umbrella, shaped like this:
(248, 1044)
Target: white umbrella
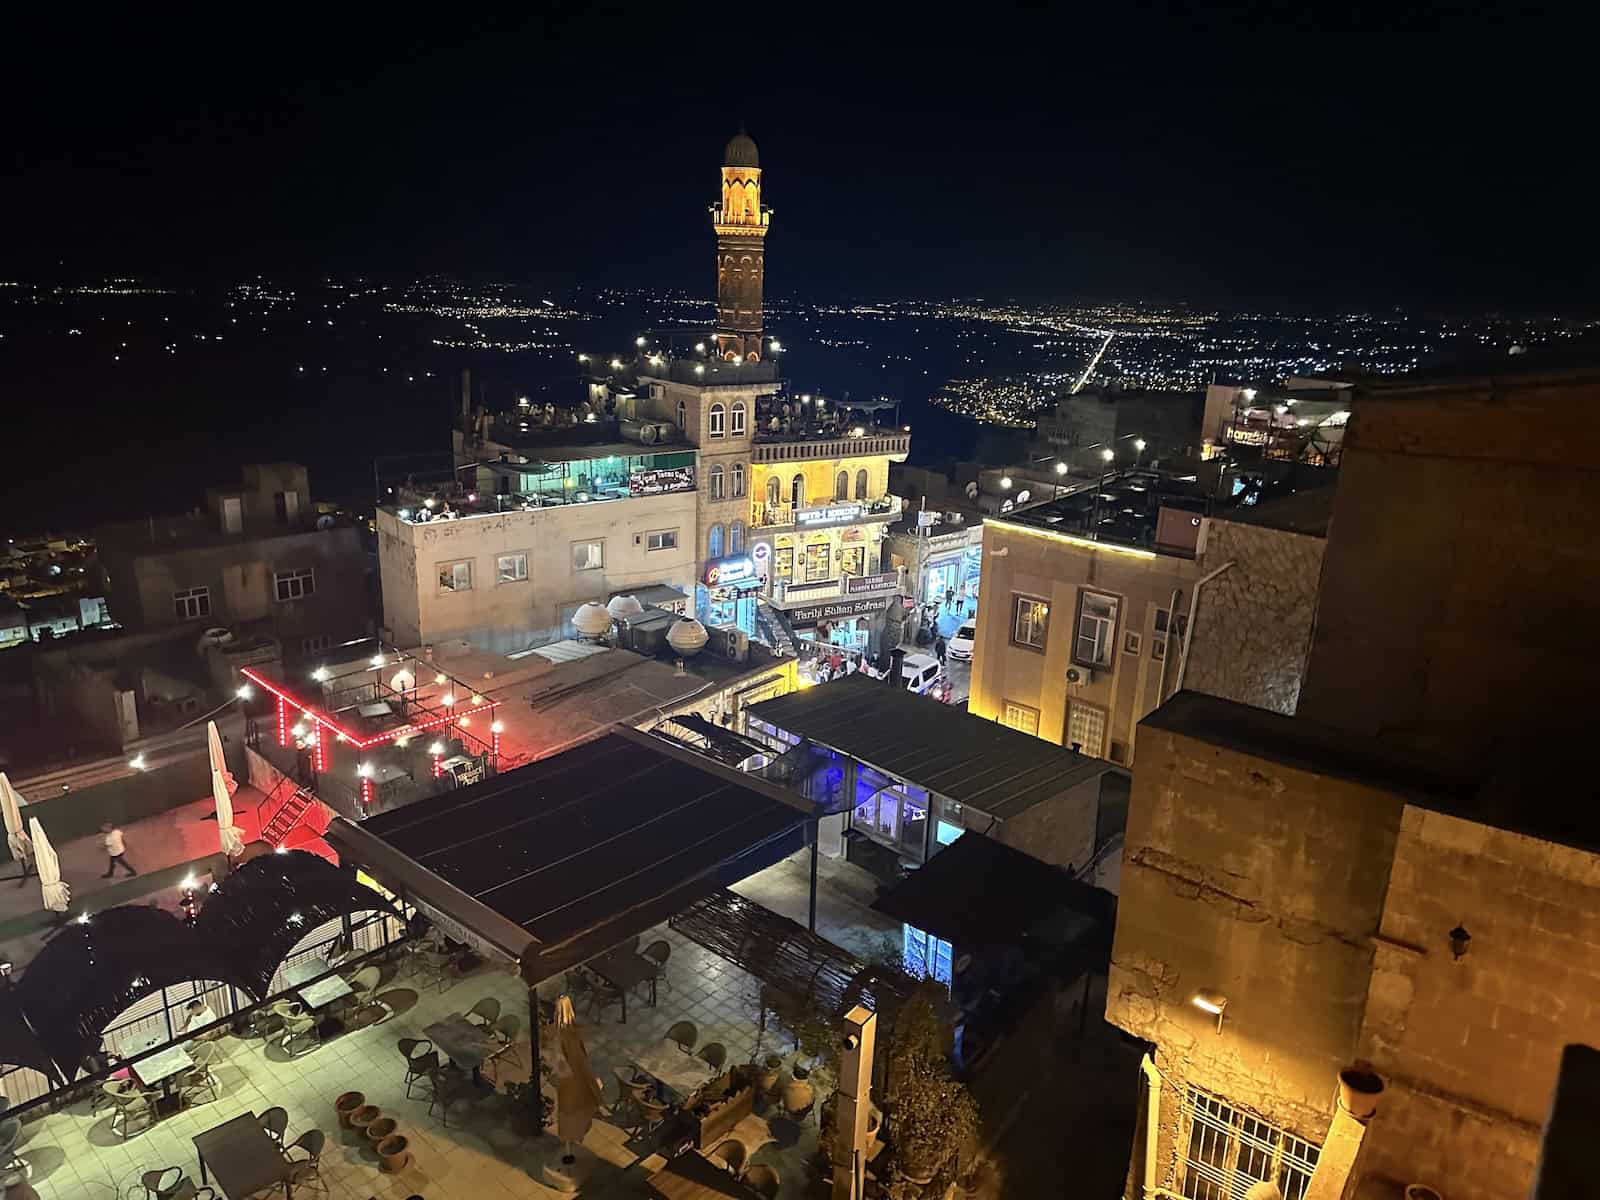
(218, 762)
(57, 895)
(16, 836)
(577, 1090)
(232, 842)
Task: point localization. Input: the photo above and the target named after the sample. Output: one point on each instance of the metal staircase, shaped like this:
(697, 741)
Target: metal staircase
(288, 814)
(773, 624)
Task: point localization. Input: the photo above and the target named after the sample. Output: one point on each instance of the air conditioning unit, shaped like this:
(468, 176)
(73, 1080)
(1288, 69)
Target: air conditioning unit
(1077, 675)
(729, 642)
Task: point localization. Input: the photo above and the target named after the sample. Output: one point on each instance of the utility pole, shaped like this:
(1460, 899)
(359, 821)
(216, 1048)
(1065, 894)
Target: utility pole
(855, 1104)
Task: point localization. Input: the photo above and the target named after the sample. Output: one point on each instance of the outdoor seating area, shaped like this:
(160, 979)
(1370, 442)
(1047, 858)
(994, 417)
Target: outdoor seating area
(444, 1070)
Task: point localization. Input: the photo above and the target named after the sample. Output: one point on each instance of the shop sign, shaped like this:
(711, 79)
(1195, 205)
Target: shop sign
(734, 569)
(761, 553)
(659, 482)
(869, 583)
(829, 514)
(812, 613)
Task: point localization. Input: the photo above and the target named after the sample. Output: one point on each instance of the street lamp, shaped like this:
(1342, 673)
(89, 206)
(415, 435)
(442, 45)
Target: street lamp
(1005, 482)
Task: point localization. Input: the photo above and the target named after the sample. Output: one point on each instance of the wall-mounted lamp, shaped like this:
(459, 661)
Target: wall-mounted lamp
(1460, 939)
(1209, 1000)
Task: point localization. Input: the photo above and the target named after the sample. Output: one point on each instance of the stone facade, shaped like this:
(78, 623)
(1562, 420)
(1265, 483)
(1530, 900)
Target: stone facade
(1251, 632)
(1295, 870)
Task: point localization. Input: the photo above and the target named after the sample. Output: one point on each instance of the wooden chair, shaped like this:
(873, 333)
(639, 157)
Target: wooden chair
(763, 1179)
(275, 1121)
(714, 1054)
(310, 1144)
(732, 1154)
(685, 1034)
(484, 1013)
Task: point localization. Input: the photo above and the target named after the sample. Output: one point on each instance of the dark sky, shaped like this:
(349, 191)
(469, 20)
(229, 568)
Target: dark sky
(1440, 156)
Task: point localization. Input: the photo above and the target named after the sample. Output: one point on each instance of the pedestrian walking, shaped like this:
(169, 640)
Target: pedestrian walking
(938, 649)
(116, 851)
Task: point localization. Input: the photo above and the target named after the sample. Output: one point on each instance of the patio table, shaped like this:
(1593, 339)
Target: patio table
(693, 1176)
(467, 1044)
(322, 992)
(624, 969)
(241, 1157)
(667, 1063)
(161, 1069)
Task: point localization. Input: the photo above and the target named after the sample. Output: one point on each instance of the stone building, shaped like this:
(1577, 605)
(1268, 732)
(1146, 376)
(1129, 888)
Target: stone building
(1296, 899)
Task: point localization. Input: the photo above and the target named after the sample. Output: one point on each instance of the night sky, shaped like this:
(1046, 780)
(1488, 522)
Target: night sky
(1439, 159)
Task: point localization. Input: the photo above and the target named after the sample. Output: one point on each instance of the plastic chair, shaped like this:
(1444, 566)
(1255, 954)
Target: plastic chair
(714, 1054)
(763, 1179)
(685, 1034)
(732, 1154)
(309, 1143)
(484, 1013)
(276, 1123)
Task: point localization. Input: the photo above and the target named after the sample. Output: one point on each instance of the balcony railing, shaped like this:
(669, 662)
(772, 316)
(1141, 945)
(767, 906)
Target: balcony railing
(823, 516)
(802, 447)
(845, 587)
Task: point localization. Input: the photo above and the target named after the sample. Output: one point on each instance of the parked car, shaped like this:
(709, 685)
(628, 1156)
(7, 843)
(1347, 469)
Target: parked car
(921, 673)
(961, 642)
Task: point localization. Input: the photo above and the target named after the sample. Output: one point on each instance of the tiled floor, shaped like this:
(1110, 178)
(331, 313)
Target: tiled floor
(74, 1155)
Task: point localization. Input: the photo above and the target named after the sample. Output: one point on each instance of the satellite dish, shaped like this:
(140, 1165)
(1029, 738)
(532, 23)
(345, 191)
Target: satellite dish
(688, 637)
(972, 491)
(591, 620)
(623, 607)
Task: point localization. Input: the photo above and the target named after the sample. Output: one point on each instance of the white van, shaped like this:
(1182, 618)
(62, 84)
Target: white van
(920, 672)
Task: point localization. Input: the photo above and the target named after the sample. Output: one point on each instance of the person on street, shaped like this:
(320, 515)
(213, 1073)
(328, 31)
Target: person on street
(116, 851)
(938, 649)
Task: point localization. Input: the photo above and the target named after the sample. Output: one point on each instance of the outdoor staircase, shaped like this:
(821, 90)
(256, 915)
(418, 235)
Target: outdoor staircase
(289, 814)
(774, 625)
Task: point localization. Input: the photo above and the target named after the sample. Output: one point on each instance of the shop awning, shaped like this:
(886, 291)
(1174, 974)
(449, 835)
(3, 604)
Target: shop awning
(980, 763)
(978, 892)
(561, 859)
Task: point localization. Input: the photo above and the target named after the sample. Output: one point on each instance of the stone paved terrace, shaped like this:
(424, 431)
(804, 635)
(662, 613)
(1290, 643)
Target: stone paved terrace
(75, 1155)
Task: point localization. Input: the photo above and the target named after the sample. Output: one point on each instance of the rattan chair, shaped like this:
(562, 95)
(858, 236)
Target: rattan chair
(714, 1054)
(309, 1143)
(484, 1013)
(685, 1034)
(732, 1154)
(275, 1121)
(762, 1179)
(658, 952)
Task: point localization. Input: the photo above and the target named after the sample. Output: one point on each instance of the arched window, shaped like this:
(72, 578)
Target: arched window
(719, 420)
(738, 480)
(736, 537)
(738, 419)
(797, 490)
(774, 491)
(682, 413)
(716, 482)
(861, 484)
(841, 486)
(714, 542)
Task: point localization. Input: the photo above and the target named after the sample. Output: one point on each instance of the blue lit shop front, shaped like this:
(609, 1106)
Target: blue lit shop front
(727, 593)
(954, 575)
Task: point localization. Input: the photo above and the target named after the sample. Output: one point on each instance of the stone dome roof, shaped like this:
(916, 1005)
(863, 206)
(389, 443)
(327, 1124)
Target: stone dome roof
(741, 151)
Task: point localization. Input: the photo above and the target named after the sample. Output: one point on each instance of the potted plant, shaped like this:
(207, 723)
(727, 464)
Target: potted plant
(932, 1118)
(347, 1104)
(1359, 1090)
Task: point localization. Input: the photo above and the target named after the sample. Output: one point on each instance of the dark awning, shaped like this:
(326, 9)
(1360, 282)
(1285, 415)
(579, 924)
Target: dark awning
(980, 763)
(721, 744)
(558, 860)
(977, 892)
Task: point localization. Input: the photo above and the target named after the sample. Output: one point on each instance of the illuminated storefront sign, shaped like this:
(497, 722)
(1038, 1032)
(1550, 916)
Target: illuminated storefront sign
(869, 583)
(812, 613)
(735, 569)
(761, 554)
(828, 514)
(660, 481)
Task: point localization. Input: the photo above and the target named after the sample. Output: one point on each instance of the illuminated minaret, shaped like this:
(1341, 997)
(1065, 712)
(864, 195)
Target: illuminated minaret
(741, 225)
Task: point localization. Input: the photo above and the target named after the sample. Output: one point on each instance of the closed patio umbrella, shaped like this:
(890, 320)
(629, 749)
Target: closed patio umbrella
(218, 762)
(232, 842)
(16, 836)
(577, 1090)
(57, 895)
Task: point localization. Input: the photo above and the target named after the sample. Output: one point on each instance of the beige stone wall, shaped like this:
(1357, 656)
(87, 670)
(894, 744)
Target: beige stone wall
(1471, 1046)
(1261, 881)
(1252, 632)
(1016, 561)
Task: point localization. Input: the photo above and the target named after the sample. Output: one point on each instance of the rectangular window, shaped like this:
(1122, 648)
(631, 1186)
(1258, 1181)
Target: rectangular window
(588, 556)
(1086, 729)
(456, 576)
(1030, 620)
(1097, 626)
(852, 560)
(1158, 648)
(1162, 616)
(1130, 642)
(511, 568)
(783, 562)
(192, 603)
(316, 642)
(818, 561)
(944, 833)
(1021, 718)
(661, 539)
(294, 585)
(1229, 1150)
